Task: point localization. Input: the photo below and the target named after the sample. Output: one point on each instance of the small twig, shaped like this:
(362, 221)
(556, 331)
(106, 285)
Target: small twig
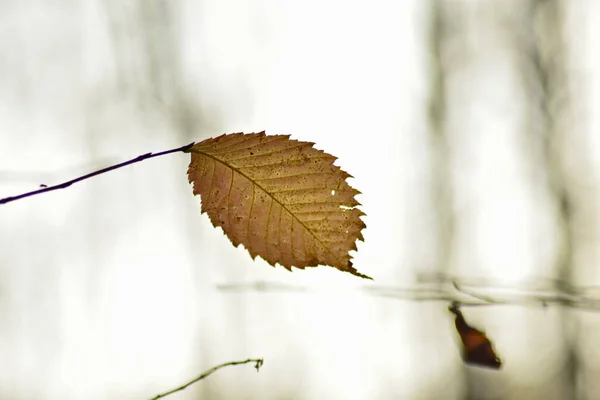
(412, 294)
(573, 297)
(477, 296)
(258, 363)
(64, 185)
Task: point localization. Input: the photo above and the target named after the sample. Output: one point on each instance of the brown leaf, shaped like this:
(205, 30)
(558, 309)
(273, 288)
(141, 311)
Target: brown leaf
(477, 348)
(282, 199)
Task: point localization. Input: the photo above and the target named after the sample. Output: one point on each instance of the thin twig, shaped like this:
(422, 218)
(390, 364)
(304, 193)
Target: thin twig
(574, 297)
(477, 296)
(258, 363)
(92, 174)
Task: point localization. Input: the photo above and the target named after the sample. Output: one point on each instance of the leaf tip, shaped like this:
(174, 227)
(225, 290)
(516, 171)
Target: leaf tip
(355, 272)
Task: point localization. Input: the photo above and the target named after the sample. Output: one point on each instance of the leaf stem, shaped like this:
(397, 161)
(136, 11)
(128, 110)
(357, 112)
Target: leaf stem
(92, 174)
(258, 363)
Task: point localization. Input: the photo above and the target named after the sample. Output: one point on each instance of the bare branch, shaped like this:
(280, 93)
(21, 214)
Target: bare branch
(258, 363)
(574, 297)
(64, 185)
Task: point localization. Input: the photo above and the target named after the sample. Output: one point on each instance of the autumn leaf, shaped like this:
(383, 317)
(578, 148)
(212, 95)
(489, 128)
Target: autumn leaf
(282, 199)
(477, 349)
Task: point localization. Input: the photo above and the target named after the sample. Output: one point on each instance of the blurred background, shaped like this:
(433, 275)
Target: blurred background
(469, 127)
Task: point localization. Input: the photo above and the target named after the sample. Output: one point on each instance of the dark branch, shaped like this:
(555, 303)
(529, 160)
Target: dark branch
(258, 363)
(92, 174)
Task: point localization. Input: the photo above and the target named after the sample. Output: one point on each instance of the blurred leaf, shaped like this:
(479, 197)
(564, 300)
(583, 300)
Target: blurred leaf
(281, 199)
(477, 348)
